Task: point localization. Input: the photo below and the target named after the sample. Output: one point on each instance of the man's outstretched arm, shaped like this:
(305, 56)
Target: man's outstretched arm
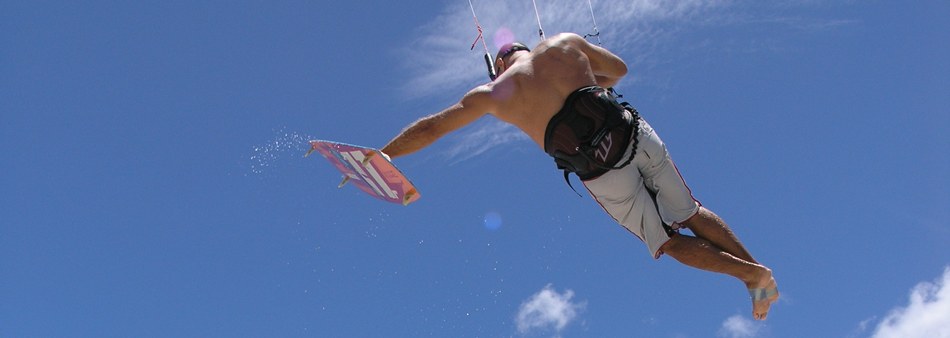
(427, 130)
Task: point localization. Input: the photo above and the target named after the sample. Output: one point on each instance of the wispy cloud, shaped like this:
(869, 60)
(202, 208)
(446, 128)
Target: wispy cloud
(480, 137)
(738, 326)
(547, 310)
(636, 30)
(643, 32)
(449, 66)
(927, 314)
(624, 26)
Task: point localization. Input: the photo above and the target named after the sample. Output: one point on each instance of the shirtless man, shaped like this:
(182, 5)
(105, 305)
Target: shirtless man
(555, 94)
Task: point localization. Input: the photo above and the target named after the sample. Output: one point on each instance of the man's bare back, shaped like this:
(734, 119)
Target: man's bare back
(533, 85)
(531, 88)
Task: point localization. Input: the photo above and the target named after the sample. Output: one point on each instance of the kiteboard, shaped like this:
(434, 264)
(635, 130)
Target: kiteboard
(368, 170)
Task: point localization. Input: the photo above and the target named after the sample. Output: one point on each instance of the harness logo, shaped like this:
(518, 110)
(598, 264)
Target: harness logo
(604, 148)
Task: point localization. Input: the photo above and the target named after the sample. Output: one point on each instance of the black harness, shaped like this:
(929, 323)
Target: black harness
(591, 133)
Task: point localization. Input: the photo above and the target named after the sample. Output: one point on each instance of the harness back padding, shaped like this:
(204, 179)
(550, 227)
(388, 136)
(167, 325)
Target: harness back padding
(591, 133)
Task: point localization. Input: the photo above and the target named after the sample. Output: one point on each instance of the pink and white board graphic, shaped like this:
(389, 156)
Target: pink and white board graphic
(368, 170)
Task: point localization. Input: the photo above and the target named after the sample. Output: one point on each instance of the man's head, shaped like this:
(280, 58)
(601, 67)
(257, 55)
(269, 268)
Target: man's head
(502, 57)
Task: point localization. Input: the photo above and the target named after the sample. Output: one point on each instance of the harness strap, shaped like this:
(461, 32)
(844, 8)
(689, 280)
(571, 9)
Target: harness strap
(566, 163)
(568, 180)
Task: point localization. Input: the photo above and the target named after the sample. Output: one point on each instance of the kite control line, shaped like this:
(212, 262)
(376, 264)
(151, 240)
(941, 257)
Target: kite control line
(596, 31)
(538, 15)
(488, 59)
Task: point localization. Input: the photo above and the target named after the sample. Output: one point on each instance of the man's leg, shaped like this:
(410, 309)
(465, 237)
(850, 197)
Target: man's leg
(707, 225)
(715, 248)
(703, 254)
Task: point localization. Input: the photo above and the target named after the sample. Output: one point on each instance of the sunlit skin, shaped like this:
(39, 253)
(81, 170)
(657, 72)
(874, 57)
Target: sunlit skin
(531, 88)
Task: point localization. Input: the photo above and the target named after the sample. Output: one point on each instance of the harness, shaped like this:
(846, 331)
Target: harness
(591, 133)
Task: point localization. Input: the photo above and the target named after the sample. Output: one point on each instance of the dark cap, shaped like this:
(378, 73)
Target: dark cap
(509, 48)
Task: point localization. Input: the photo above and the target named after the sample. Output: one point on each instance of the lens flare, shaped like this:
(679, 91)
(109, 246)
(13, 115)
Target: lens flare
(503, 36)
(492, 220)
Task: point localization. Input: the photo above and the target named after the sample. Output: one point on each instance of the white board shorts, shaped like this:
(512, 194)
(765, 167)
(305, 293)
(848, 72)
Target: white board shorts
(646, 194)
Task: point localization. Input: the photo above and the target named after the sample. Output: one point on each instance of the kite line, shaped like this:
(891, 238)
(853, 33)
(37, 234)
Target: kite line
(488, 60)
(538, 15)
(594, 20)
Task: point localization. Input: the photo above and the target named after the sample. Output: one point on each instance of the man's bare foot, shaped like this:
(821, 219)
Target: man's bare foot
(763, 293)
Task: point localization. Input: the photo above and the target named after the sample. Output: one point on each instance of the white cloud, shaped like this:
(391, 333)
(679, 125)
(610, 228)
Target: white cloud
(547, 310)
(739, 327)
(927, 315)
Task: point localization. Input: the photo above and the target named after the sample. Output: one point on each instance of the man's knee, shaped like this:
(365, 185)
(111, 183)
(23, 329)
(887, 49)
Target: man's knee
(672, 246)
(697, 218)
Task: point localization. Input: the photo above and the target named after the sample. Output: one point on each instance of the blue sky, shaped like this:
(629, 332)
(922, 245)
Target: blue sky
(154, 183)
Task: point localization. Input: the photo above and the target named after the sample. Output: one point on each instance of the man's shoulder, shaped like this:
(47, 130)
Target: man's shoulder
(565, 37)
(479, 96)
(562, 41)
(480, 91)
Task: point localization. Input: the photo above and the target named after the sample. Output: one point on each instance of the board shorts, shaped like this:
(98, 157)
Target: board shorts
(649, 197)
